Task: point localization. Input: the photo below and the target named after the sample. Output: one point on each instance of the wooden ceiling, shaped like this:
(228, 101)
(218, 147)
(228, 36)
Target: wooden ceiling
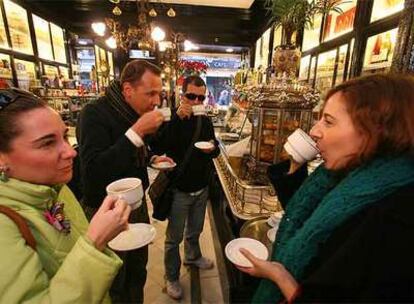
(206, 25)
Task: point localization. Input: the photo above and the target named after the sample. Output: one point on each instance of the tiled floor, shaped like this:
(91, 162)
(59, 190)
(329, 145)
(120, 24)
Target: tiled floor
(209, 279)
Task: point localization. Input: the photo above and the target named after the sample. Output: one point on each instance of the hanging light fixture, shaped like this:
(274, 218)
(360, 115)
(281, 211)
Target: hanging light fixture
(153, 13)
(116, 11)
(133, 35)
(115, 1)
(171, 13)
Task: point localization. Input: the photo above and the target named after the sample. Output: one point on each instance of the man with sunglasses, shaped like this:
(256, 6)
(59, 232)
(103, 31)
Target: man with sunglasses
(191, 192)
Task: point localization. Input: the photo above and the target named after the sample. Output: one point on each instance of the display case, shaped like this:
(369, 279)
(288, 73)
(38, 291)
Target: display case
(325, 70)
(337, 24)
(18, 27)
(42, 32)
(6, 76)
(379, 52)
(277, 110)
(304, 68)
(26, 74)
(58, 43)
(385, 8)
(4, 44)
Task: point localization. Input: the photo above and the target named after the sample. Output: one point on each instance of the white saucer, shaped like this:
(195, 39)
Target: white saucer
(204, 145)
(236, 257)
(163, 165)
(137, 236)
(271, 234)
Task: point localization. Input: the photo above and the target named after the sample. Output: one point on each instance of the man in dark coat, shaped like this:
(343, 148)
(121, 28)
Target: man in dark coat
(112, 146)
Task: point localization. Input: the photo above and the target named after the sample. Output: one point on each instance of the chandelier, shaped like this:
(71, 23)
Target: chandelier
(134, 35)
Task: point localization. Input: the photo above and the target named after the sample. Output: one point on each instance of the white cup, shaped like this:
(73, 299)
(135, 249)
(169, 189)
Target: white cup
(301, 147)
(199, 110)
(128, 189)
(166, 112)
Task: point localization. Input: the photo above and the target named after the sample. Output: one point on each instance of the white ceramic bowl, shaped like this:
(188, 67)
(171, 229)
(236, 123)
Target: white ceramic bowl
(128, 189)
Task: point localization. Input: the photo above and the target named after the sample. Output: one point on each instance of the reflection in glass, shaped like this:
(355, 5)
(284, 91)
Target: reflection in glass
(26, 74)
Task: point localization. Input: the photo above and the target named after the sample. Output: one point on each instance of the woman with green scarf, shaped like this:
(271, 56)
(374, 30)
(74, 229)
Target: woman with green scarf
(348, 228)
(49, 253)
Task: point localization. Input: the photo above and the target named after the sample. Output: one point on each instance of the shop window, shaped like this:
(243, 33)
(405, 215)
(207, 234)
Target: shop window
(385, 8)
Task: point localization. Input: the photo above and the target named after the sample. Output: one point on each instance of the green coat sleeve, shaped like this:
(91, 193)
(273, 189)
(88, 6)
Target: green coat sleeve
(84, 277)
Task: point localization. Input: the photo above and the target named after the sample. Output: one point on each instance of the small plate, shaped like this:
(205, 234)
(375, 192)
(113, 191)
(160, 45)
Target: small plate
(204, 145)
(137, 236)
(236, 257)
(271, 234)
(163, 165)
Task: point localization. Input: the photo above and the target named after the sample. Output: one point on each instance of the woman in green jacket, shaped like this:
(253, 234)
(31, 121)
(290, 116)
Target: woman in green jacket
(70, 262)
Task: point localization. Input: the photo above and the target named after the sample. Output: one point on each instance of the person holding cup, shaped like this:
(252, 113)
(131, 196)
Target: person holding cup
(65, 260)
(191, 191)
(347, 230)
(112, 136)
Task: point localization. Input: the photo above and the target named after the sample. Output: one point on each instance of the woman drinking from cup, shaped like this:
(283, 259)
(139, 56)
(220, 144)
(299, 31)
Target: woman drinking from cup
(64, 259)
(348, 231)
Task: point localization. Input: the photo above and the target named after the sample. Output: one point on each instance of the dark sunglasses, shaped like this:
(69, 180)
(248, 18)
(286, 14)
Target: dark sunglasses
(8, 96)
(192, 96)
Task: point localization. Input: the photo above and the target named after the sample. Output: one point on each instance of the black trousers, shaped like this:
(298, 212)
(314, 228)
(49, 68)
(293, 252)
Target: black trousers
(128, 286)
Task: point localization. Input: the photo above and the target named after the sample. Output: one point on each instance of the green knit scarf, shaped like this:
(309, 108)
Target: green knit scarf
(321, 205)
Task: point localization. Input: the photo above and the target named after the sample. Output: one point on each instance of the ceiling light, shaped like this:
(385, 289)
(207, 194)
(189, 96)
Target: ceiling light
(115, 1)
(99, 28)
(158, 34)
(111, 42)
(116, 11)
(171, 13)
(229, 50)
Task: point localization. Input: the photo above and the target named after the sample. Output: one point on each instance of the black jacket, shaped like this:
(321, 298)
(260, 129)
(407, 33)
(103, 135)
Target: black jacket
(367, 259)
(175, 137)
(106, 153)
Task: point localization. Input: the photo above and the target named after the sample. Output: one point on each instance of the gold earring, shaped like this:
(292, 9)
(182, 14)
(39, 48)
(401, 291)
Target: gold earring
(3, 174)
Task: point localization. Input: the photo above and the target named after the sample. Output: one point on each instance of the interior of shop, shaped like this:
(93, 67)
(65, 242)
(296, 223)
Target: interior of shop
(262, 83)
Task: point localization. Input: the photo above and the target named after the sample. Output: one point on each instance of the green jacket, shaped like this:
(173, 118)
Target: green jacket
(64, 268)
